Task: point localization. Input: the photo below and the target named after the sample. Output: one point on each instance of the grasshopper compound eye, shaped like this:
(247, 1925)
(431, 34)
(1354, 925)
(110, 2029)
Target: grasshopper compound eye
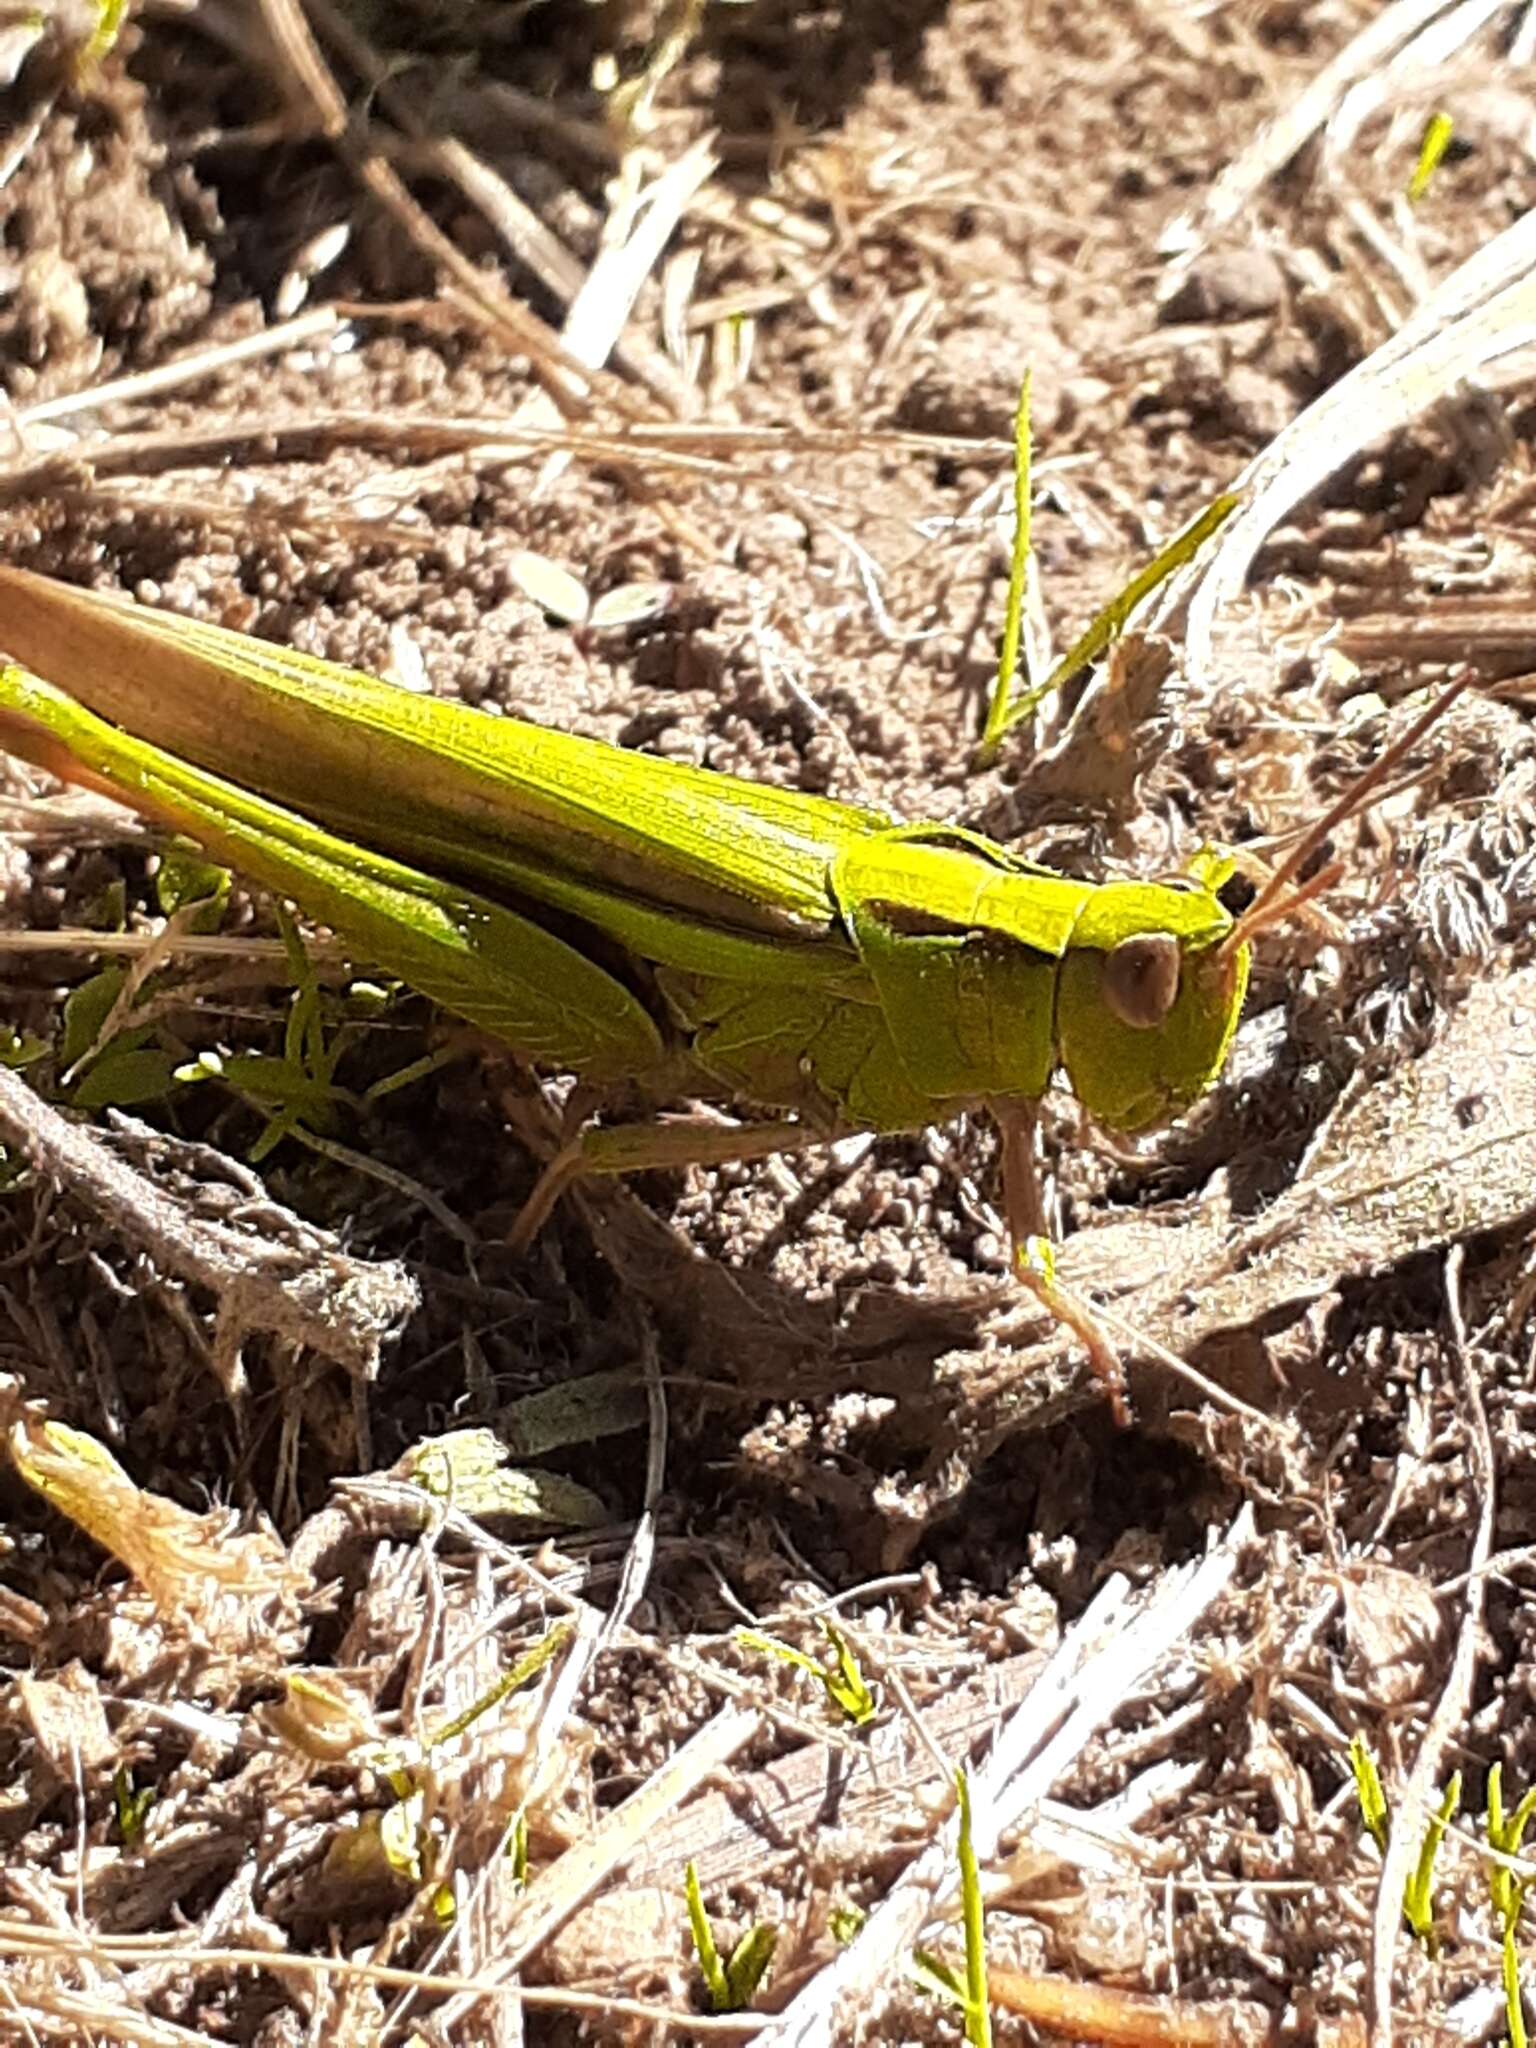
(1141, 979)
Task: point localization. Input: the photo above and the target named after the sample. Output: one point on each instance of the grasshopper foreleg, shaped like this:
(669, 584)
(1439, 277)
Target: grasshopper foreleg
(1034, 1253)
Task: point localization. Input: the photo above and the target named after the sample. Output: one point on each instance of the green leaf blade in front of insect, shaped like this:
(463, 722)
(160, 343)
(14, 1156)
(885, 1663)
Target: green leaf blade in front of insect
(196, 888)
(1107, 624)
(1438, 131)
(999, 716)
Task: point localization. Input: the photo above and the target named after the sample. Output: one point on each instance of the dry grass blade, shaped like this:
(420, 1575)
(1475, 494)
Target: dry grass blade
(603, 305)
(1099, 1664)
(562, 377)
(1485, 309)
(1364, 57)
(559, 1890)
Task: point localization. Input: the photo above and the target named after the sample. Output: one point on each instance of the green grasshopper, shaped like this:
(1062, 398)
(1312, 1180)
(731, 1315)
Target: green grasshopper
(659, 931)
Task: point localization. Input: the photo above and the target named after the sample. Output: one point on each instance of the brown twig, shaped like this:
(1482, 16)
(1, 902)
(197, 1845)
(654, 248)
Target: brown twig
(305, 1291)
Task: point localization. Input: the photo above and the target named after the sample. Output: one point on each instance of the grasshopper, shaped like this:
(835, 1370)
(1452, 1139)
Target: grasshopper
(659, 931)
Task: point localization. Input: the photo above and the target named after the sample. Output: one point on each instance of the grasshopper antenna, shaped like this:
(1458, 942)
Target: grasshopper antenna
(1276, 902)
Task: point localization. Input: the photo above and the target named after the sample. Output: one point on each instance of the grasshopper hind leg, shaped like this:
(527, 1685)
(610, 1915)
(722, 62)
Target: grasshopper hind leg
(656, 1145)
(1034, 1253)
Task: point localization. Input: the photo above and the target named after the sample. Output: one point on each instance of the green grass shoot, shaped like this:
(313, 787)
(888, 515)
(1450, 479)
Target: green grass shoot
(844, 1683)
(1375, 1817)
(1438, 131)
(967, 1990)
(998, 716)
(1507, 1892)
(731, 1985)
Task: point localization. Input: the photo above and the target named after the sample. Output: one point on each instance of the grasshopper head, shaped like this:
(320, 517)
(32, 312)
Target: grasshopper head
(1147, 999)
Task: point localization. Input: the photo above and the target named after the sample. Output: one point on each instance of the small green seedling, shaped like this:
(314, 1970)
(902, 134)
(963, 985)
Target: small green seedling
(1507, 1892)
(1437, 140)
(968, 1990)
(844, 1682)
(999, 712)
(130, 1806)
(731, 1985)
(566, 598)
(1375, 1816)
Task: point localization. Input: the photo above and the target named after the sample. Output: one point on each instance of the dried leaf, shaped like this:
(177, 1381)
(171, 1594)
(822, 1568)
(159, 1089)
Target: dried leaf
(467, 1467)
(180, 1559)
(574, 1412)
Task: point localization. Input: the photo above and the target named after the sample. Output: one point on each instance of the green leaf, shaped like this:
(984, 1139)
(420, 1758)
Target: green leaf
(185, 879)
(1436, 141)
(627, 604)
(130, 1807)
(935, 1975)
(553, 589)
(124, 1076)
(467, 1467)
(575, 1412)
(527, 1668)
(1505, 1889)
(107, 910)
(999, 716)
(1514, 2005)
(276, 1083)
(845, 1686)
(844, 1923)
(417, 1070)
(86, 1009)
(20, 1048)
(749, 1960)
(1108, 623)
